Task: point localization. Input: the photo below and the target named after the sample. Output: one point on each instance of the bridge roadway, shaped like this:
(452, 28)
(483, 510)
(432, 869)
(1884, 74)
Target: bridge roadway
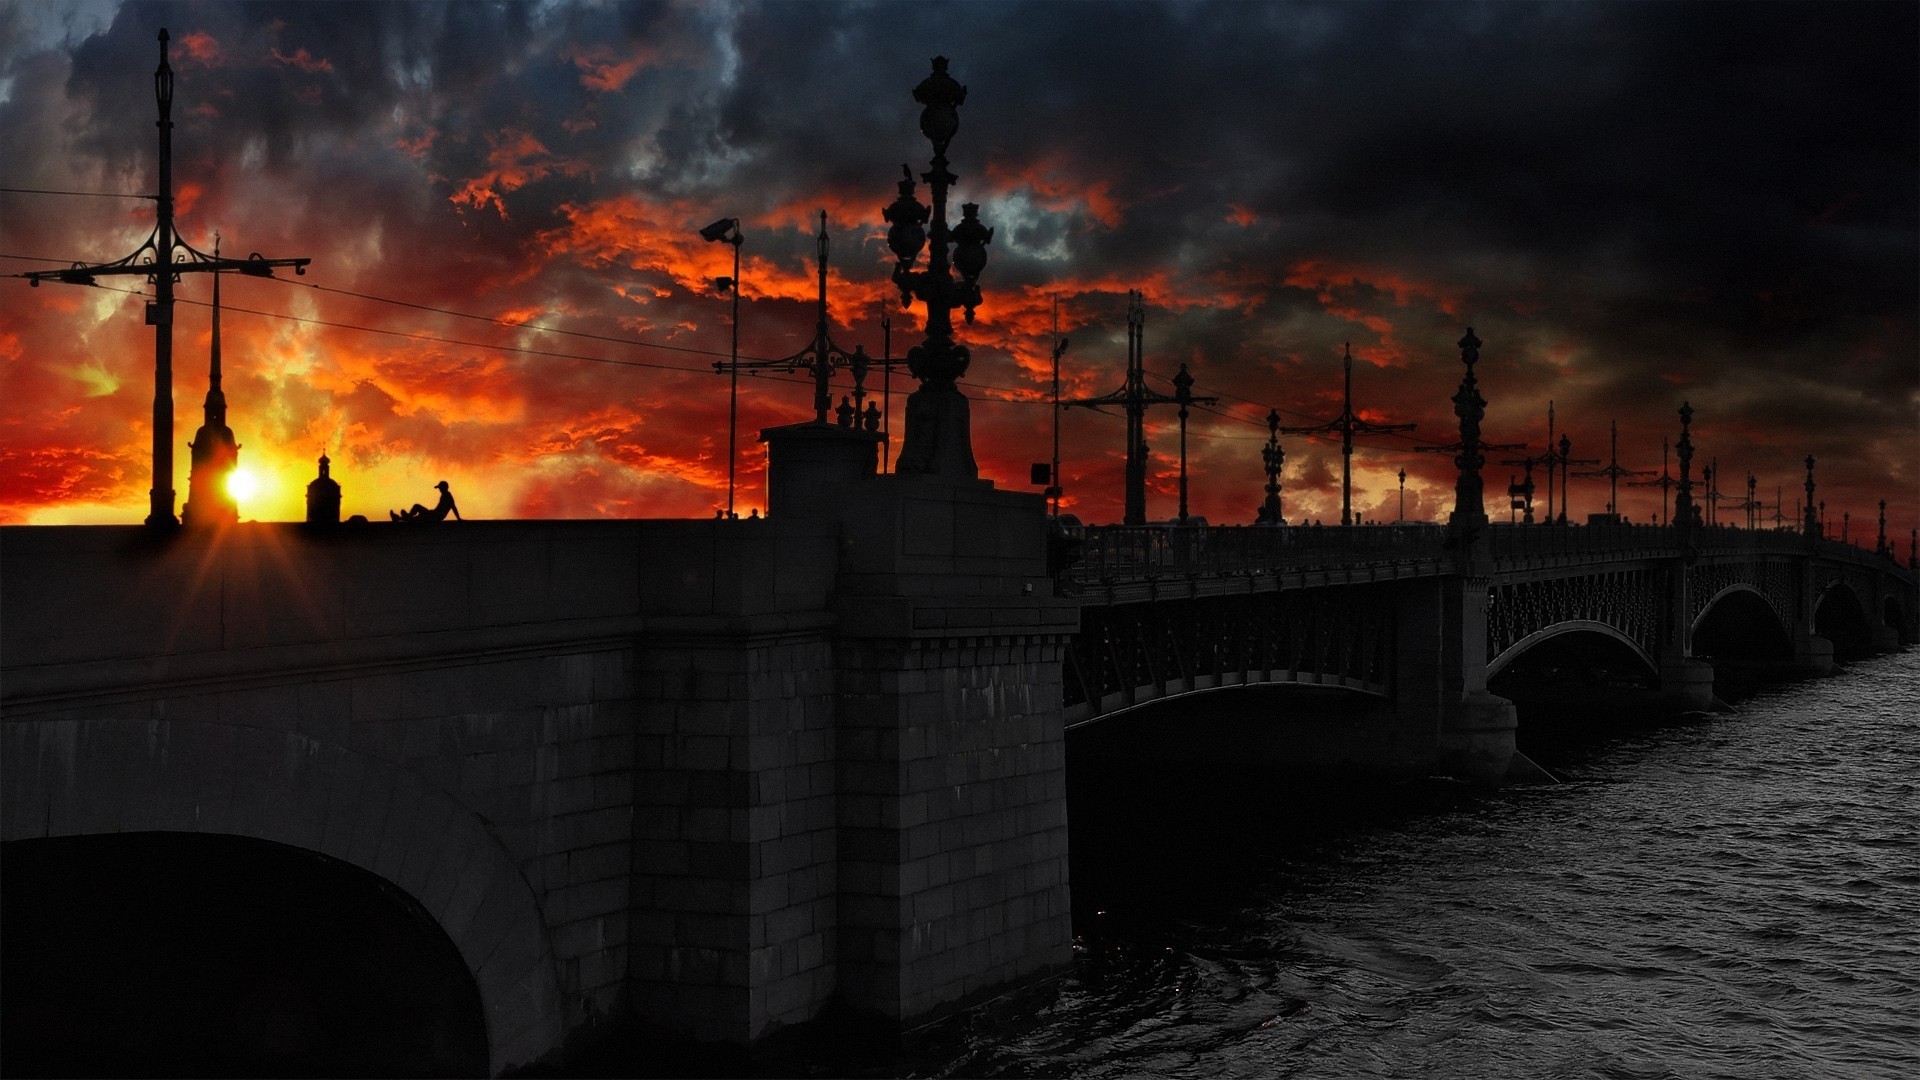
(703, 778)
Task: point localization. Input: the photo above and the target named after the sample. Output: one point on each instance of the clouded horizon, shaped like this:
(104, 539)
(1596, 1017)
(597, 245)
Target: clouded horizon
(1633, 205)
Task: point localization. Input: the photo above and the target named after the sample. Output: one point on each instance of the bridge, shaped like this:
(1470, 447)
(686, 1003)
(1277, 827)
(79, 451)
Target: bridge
(703, 778)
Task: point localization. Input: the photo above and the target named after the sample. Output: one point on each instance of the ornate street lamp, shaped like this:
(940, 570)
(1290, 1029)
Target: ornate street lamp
(938, 441)
(1274, 456)
(727, 231)
(1812, 524)
(1403, 495)
(1684, 514)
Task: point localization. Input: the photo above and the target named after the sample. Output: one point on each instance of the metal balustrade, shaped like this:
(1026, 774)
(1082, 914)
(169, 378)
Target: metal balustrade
(1106, 554)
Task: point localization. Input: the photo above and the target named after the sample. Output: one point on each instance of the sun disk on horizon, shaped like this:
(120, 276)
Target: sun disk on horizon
(241, 484)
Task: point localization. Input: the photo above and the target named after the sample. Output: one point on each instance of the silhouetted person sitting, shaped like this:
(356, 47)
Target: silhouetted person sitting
(439, 512)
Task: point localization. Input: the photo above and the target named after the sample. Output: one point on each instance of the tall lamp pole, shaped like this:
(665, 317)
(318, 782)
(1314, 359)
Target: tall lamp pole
(938, 440)
(1274, 457)
(1054, 489)
(727, 231)
(1347, 423)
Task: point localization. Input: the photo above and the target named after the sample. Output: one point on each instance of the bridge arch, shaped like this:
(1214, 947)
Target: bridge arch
(1573, 626)
(1894, 615)
(1740, 625)
(1840, 616)
(70, 778)
(1198, 690)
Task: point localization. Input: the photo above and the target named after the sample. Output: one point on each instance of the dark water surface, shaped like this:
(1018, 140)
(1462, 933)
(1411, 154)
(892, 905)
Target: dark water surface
(1738, 896)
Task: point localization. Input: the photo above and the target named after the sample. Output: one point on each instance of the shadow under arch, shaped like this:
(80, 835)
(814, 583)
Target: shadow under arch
(173, 953)
(1895, 616)
(117, 775)
(1739, 626)
(1539, 637)
(1184, 691)
(1840, 616)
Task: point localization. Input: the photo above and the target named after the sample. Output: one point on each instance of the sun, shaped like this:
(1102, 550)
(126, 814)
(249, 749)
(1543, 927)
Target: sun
(241, 484)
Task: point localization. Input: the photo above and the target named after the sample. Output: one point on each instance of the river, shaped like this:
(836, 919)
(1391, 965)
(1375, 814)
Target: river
(1736, 896)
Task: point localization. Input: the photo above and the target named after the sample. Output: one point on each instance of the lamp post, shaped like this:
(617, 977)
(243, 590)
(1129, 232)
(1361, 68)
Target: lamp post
(1274, 456)
(727, 231)
(1054, 490)
(1880, 545)
(1684, 514)
(938, 441)
(1811, 526)
(1183, 393)
(1403, 495)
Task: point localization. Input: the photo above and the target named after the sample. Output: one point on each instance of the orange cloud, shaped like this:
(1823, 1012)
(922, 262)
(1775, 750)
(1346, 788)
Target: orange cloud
(602, 70)
(1055, 187)
(303, 60)
(201, 48)
(516, 160)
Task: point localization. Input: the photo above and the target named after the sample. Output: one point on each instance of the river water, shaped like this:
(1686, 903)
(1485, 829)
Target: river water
(1736, 896)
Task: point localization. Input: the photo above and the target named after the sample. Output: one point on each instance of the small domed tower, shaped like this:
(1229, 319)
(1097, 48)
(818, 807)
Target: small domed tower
(323, 497)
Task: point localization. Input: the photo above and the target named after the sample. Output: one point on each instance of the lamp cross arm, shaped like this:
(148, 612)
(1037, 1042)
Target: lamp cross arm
(1487, 447)
(82, 273)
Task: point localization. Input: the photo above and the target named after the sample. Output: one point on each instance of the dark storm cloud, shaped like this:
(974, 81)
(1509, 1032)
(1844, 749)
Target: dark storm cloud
(1631, 202)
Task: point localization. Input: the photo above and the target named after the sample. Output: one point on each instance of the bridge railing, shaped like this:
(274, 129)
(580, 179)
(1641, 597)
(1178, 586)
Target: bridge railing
(1524, 541)
(1130, 552)
(1114, 553)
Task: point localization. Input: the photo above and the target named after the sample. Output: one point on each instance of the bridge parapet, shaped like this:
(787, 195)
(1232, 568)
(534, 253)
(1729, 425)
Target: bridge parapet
(1132, 553)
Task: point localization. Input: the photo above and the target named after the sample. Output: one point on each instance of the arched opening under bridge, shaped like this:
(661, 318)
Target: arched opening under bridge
(1202, 795)
(194, 954)
(1895, 616)
(1741, 635)
(1571, 682)
(1841, 618)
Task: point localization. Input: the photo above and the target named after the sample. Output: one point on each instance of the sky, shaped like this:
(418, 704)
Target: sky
(1633, 205)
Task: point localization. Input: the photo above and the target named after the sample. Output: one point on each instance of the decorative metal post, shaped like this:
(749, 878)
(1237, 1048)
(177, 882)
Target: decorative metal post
(1403, 496)
(1520, 495)
(1684, 514)
(1134, 396)
(1551, 461)
(938, 439)
(727, 231)
(1347, 424)
(1913, 549)
(1811, 526)
(1183, 394)
(1880, 545)
(1469, 512)
(1566, 459)
(1664, 482)
(1846, 522)
(1613, 472)
(1274, 456)
(1055, 489)
(1753, 504)
(160, 497)
(886, 389)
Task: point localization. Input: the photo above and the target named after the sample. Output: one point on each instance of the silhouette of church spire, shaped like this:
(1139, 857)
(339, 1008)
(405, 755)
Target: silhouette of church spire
(214, 452)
